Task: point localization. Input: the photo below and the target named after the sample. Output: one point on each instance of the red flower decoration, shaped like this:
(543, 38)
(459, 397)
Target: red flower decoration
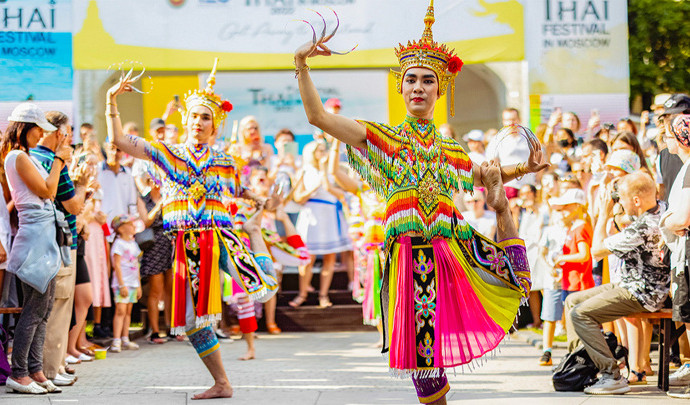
(455, 64)
(226, 106)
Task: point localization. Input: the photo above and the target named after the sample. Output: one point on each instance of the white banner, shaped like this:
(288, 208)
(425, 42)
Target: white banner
(577, 46)
(174, 34)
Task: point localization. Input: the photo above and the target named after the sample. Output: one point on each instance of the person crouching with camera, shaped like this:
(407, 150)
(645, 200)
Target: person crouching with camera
(644, 278)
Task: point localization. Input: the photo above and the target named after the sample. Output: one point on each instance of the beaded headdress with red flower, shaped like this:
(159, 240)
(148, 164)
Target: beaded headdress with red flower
(208, 98)
(427, 53)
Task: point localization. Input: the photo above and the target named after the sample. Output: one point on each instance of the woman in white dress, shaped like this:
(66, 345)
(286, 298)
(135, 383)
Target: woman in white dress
(321, 222)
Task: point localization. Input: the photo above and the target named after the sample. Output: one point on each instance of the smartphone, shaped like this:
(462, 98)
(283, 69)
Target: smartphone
(176, 97)
(291, 148)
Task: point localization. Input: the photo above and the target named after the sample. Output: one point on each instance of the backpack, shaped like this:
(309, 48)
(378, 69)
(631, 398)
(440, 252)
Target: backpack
(577, 370)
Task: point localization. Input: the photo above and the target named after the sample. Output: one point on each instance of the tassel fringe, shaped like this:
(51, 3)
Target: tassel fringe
(471, 367)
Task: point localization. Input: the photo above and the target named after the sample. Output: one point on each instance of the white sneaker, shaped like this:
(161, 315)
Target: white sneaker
(680, 377)
(85, 357)
(64, 380)
(683, 394)
(116, 347)
(130, 345)
(31, 388)
(607, 385)
(560, 330)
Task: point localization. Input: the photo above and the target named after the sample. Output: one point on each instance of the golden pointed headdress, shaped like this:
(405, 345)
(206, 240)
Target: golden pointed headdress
(208, 98)
(426, 53)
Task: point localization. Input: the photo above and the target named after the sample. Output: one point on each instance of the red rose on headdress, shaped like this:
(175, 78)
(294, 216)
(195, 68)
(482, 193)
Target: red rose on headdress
(455, 64)
(226, 106)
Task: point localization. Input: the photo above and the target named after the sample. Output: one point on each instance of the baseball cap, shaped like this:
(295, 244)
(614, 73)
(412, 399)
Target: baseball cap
(157, 123)
(625, 160)
(332, 103)
(474, 135)
(29, 112)
(659, 100)
(120, 220)
(571, 196)
(677, 104)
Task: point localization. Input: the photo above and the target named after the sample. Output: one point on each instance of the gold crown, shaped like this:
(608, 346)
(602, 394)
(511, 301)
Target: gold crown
(208, 98)
(427, 53)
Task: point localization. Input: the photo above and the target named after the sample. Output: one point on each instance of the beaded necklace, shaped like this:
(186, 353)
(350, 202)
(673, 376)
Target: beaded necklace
(427, 156)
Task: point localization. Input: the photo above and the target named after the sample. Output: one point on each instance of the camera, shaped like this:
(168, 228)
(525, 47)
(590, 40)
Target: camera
(615, 195)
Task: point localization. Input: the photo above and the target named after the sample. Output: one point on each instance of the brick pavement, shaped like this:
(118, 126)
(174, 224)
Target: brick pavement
(311, 368)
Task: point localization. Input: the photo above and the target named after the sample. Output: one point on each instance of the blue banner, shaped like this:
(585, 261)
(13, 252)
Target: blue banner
(36, 50)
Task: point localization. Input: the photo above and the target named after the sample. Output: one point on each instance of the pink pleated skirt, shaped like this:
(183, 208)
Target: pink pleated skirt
(448, 302)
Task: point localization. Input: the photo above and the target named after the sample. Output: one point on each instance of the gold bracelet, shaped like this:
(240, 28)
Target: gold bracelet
(520, 171)
(109, 103)
(112, 114)
(299, 70)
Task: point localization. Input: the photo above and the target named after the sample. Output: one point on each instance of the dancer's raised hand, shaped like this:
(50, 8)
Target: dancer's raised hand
(124, 85)
(536, 162)
(317, 46)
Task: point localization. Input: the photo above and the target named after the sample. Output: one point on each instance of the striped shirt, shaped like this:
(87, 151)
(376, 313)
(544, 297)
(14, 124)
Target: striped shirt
(65, 190)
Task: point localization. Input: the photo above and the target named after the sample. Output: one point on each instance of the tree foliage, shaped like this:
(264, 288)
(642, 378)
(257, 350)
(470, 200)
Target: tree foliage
(659, 47)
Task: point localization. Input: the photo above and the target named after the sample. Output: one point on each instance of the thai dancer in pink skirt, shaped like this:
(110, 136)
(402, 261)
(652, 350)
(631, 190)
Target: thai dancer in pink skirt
(449, 295)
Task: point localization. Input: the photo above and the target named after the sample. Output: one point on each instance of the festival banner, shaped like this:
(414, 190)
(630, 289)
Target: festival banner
(577, 53)
(263, 34)
(36, 54)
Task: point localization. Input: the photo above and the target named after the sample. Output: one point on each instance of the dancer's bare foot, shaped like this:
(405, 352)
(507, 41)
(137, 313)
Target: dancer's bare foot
(250, 355)
(219, 390)
(495, 193)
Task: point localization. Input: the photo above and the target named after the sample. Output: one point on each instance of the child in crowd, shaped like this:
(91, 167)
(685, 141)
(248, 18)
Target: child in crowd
(576, 259)
(126, 280)
(551, 242)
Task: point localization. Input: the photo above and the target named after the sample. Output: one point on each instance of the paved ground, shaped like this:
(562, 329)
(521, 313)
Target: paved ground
(312, 368)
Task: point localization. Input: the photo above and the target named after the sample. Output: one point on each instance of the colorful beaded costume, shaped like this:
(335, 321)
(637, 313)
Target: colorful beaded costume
(197, 183)
(449, 295)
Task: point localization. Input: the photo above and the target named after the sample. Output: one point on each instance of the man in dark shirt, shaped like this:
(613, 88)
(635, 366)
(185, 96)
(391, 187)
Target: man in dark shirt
(70, 200)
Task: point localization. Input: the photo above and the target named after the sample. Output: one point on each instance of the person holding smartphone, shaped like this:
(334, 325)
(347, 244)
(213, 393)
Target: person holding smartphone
(287, 159)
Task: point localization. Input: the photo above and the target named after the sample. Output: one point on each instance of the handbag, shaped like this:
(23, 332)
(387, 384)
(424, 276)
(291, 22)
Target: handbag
(145, 239)
(63, 236)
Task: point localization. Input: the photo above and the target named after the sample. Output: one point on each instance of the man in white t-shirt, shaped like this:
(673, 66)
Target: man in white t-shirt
(119, 191)
(477, 216)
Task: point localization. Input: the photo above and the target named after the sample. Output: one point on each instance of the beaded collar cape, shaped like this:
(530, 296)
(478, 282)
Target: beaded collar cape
(416, 171)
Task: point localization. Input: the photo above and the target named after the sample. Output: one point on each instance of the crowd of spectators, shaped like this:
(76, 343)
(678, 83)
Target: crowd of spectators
(604, 227)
